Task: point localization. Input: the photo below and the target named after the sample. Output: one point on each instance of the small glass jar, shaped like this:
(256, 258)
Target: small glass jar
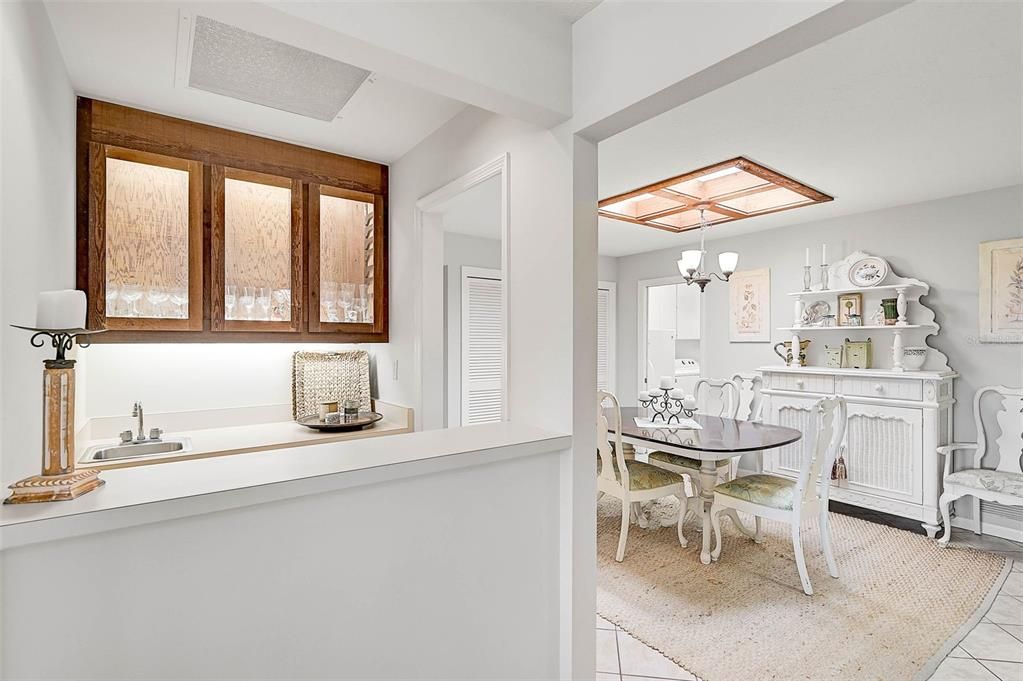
(828, 320)
(351, 409)
(326, 408)
(855, 320)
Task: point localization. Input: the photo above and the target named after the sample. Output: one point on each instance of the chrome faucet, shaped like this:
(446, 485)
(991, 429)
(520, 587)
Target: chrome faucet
(136, 411)
(154, 433)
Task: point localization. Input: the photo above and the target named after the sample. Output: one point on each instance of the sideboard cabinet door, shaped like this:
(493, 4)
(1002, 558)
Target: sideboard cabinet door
(145, 228)
(884, 451)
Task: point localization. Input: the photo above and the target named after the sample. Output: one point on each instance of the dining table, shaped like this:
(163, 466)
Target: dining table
(717, 438)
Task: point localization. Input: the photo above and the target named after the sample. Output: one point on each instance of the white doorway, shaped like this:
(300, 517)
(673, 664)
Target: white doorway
(463, 357)
(670, 322)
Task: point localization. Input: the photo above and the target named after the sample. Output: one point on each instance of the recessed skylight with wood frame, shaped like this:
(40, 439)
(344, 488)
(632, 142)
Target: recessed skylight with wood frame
(727, 191)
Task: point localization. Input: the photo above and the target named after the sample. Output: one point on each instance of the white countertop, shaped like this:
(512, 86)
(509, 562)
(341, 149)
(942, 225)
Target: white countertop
(240, 439)
(143, 494)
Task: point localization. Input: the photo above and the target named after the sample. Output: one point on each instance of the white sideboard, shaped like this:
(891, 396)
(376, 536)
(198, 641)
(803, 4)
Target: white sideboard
(896, 422)
(897, 417)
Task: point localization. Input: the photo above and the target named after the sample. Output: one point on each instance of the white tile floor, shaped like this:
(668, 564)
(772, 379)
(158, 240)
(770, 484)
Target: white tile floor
(993, 651)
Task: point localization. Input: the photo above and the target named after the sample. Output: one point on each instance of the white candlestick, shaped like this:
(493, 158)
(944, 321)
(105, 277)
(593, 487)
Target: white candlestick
(60, 309)
(824, 254)
(667, 381)
(807, 255)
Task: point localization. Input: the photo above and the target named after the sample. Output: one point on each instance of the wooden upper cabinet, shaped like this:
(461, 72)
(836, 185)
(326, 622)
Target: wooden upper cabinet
(257, 262)
(146, 237)
(192, 233)
(345, 263)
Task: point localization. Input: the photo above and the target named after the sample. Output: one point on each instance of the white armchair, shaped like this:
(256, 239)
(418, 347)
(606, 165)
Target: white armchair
(1003, 484)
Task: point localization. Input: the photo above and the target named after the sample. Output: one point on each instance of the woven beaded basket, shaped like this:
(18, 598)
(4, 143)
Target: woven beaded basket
(324, 376)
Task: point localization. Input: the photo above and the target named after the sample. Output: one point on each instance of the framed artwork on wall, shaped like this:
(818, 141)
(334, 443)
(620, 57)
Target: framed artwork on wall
(749, 306)
(1001, 291)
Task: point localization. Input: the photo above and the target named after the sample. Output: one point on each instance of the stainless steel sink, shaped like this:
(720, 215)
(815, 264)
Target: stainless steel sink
(130, 451)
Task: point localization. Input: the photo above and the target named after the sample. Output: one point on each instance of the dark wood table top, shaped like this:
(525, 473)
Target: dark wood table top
(717, 437)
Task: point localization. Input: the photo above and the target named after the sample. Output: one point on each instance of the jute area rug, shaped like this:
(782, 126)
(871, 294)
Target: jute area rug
(899, 605)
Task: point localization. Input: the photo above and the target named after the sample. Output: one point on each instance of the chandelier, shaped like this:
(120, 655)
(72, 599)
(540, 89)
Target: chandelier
(690, 265)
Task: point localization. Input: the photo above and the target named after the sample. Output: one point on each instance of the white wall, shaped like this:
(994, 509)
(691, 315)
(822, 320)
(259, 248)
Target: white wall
(460, 250)
(191, 376)
(540, 284)
(552, 310)
(37, 216)
(934, 241)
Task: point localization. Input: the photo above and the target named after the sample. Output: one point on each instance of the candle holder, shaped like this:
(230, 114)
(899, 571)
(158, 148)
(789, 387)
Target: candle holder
(666, 407)
(824, 277)
(59, 481)
(806, 278)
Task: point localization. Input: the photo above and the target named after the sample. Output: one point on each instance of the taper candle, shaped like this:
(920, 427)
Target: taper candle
(60, 309)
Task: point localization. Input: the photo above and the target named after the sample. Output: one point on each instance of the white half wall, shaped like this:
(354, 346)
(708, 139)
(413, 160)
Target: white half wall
(370, 579)
(37, 217)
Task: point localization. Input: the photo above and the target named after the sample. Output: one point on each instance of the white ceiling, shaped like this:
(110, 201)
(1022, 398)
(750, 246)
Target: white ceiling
(920, 104)
(126, 53)
(476, 211)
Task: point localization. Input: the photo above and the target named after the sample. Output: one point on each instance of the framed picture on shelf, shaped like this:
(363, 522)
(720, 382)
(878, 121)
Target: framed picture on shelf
(850, 309)
(1001, 291)
(749, 306)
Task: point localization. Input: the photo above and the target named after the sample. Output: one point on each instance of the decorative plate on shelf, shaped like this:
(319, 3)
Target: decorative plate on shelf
(870, 271)
(363, 420)
(814, 313)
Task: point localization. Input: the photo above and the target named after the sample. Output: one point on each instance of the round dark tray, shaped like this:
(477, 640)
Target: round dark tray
(365, 419)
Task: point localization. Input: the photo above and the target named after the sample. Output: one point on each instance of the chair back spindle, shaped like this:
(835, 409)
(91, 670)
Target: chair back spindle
(1009, 419)
(819, 451)
(717, 397)
(612, 459)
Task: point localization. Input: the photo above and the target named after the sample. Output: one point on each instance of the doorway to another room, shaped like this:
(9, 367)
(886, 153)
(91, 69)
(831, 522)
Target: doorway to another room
(670, 317)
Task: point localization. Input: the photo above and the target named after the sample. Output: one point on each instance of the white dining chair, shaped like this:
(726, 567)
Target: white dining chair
(1001, 485)
(715, 397)
(630, 480)
(792, 501)
(751, 408)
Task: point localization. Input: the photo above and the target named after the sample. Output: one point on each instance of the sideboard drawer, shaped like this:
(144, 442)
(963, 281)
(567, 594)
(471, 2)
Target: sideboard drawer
(804, 383)
(892, 388)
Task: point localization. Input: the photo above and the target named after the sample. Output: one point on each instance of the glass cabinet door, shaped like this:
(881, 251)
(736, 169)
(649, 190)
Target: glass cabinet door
(257, 266)
(344, 264)
(149, 275)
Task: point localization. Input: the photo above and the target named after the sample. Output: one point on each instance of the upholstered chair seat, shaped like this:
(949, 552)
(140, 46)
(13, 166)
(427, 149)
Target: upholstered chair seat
(761, 489)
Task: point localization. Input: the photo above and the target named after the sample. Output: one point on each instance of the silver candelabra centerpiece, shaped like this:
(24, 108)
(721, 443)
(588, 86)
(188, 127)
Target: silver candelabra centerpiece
(667, 404)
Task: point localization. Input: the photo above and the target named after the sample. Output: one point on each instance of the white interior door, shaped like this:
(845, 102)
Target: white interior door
(482, 346)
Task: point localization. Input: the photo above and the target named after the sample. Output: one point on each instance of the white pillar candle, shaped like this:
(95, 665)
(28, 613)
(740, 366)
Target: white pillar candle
(667, 381)
(60, 309)
(689, 402)
(824, 254)
(807, 256)
(676, 394)
(644, 396)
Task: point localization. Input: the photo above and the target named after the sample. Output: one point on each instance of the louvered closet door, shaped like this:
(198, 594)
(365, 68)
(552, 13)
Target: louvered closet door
(605, 339)
(482, 346)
